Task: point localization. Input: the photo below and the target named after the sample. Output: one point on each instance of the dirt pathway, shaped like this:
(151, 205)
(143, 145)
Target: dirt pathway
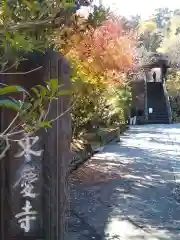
(127, 191)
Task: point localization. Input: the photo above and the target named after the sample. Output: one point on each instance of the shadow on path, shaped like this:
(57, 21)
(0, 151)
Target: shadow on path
(129, 194)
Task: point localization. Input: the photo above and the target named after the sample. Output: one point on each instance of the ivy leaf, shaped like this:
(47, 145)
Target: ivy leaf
(10, 104)
(43, 90)
(44, 124)
(11, 89)
(53, 84)
(36, 91)
(18, 102)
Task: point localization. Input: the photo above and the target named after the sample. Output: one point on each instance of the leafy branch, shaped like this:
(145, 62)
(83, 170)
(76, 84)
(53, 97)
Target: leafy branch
(32, 112)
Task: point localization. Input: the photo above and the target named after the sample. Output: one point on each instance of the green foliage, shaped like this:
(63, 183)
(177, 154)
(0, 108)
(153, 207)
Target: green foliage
(94, 106)
(160, 34)
(11, 89)
(10, 103)
(175, 105)
(7, 103)
(173, 83)
(85, 101)
(27, 26)
(35, 108)
(33, 111)
(149, 36)
(99, 15)
(173, 86)
(120, 102)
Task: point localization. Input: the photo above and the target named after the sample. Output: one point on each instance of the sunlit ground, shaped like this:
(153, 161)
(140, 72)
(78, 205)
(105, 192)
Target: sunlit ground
(129, 188)
(126, 230)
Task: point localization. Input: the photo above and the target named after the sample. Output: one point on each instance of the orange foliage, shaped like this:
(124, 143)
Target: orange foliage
(108, 45)
(108, 49)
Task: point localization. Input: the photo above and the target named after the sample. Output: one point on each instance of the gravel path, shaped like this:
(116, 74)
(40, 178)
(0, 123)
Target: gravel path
(130, 190)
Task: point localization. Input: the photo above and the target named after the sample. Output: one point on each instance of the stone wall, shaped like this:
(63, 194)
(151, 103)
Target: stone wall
(82, 149)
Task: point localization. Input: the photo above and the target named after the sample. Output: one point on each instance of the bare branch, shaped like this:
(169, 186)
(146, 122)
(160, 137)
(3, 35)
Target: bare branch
(6, 69)
(49, 106)
(14, 133)
(62, 114)
(21, 73)
(13, 121)
(15, 127)
(2, 155)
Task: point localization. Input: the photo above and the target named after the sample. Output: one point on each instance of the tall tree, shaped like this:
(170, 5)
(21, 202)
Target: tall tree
(149, 35)
(26, 25)
(170, 44)
(162, 17)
